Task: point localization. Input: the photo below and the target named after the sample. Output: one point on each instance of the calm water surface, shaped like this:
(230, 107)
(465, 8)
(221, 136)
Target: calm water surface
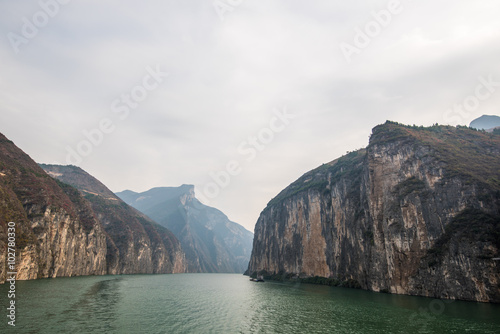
(226, 303)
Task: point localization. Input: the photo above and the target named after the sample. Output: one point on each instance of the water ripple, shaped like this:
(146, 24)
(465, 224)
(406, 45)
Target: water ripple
(218, 303)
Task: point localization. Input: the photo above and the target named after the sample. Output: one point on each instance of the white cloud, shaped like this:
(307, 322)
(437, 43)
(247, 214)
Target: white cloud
(224, 80)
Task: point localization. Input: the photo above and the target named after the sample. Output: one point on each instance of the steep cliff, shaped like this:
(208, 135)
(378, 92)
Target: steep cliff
(211, 241)
(57, 233)
(135, 243)
(417, 212)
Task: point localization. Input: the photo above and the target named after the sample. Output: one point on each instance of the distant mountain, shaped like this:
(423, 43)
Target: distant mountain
(486, 122)
(211, 241)
(416, 212)
(135, 243)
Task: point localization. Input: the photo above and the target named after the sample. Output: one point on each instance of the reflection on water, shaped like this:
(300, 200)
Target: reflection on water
(95, 311)
(225, 303)
(65, 305)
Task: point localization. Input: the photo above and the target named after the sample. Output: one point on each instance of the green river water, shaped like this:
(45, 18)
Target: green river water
(228, 303)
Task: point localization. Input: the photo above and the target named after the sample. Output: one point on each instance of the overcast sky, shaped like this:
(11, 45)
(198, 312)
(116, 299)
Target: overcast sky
(329, 68)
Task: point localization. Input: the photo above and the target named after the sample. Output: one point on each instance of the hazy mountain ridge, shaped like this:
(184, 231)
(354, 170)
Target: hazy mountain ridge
(486, 122)
(416, 212)
(211, 241)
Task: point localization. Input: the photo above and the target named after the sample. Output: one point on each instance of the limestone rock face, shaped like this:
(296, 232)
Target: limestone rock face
(64, 231)
(417, 212)
(65, 248)
(57, 233)
(135, 243)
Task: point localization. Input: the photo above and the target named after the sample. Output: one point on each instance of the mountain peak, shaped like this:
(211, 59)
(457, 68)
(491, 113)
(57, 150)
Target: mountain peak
(486, 122)
(189, 195)
(211, 241)
(78, 178)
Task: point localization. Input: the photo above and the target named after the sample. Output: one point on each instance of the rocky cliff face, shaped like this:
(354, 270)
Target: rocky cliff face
(61, 231)
(211, 241)
(57, 233)
(417, 212)
(135, 243)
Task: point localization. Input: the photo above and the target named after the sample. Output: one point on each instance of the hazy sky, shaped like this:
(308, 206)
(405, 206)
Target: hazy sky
(172, 92)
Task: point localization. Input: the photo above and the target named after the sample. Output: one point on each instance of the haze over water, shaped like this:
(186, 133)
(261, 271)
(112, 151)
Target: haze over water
(229, 303)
